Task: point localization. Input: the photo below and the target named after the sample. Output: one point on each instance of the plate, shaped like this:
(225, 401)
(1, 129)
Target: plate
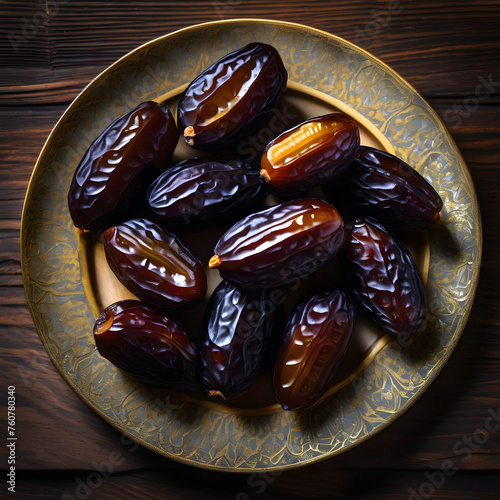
(67, 282)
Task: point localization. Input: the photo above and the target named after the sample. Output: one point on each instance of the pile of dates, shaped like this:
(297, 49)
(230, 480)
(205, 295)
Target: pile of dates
(127, 193)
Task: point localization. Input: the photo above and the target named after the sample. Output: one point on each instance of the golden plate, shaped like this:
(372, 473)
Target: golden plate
(66, 280)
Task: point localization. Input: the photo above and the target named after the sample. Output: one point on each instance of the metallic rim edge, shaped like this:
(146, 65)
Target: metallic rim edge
(449, 348)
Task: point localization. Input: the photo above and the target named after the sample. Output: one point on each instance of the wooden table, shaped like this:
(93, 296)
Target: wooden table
(449, 52)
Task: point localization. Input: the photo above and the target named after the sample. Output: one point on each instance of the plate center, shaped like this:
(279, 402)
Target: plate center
(297, 105)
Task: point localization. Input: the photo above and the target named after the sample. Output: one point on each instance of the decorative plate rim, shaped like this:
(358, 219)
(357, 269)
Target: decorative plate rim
(450, 346)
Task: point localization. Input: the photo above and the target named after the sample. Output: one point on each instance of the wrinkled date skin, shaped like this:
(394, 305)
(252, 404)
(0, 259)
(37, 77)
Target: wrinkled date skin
(280, 244)
(385, 278)
(316, 339)
(311, 153)
(233, 341)
(202, 188)
(153, 264)
(125, 154)
(231, 98)
(145, 343)
(382, 185)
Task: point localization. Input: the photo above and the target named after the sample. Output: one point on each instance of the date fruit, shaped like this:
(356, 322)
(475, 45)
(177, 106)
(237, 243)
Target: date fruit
(280, 244)
(202, 188)
(233, 341)
(382, 185)
(126, 153)
(153, 264)
(311, 153)
(232, 97)
(145, 343)
(316, 339)
(385, 278)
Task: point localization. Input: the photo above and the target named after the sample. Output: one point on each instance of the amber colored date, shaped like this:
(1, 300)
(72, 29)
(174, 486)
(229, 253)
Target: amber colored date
(385, 278)
(124, 154)
(280, 244)
(153, 264)
(311, 153)
(232, 97)
(382, 185)
(316, 339)
(201, 188)
(145, 343)
(234, 340)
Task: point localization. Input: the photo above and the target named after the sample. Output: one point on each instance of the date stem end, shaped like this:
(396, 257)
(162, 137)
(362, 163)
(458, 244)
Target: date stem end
(214, 262)
(217, 395)
(189, 133)
(105, 326)
(110, 232)
(265, 176)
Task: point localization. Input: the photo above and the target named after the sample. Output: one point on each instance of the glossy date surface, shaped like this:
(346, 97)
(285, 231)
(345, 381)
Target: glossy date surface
(382, 185)
(201, 188)
(311, 153)
(385, 278)
(228, 100)
(145, 343)
(316, 339)
(154, 264)
(126, 153)
(278, 245)
(234, 340)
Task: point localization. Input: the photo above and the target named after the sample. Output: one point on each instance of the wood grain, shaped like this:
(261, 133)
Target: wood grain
(71, 43)
(445, 50)
(344, 484)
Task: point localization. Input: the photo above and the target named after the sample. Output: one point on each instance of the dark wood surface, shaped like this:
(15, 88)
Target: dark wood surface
(445, 50)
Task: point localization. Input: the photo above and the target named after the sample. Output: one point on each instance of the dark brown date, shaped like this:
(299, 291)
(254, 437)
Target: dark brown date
(382, 185)
(125, 154)
(232, 97)
(202, 188)
(316, 339)
(310, 153)
(153, 264)
(142, 341)
(385, 278)
(280, 244)
(234, 340)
